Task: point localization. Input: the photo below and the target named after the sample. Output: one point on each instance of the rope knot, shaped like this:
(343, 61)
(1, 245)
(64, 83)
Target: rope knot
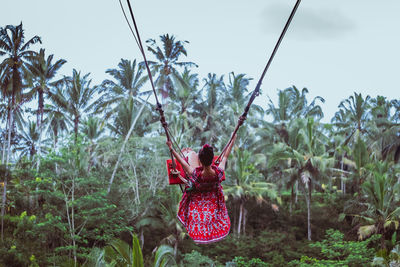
(241, 120)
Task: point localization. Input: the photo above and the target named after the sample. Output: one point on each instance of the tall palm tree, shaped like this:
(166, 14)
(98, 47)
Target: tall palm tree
(124, 125)
(236, 98)
(56, 118)
(92, 128)
(119, 253)
(167, 62)
(16, 50)
(396, 106)
(77, 98)
(361, 159)
(129, 80)
(180, 112)
(4, 107)
(245, 183)
(209, 110)
(237, 88)
(383, 130)
(29, 140)
(304, 158)
(186, 84)
(126, 114)
(380, 196)
(292, 104)
(353, 116)
(40, 75)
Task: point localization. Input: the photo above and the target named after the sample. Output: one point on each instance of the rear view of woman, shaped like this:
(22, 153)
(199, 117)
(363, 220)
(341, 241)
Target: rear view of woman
(202, 209)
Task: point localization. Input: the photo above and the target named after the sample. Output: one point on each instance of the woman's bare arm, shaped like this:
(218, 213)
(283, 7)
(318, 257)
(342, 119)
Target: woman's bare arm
(188, 169)
(226, 155)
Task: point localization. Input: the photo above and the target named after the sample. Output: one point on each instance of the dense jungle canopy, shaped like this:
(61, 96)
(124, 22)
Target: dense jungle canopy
(300, 192)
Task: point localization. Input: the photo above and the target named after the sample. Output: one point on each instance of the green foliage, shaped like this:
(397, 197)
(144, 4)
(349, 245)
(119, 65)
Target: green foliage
(164, 257)
(383, 258)
(196, 259)
(255, 262)
(58, 212)
(335, 251)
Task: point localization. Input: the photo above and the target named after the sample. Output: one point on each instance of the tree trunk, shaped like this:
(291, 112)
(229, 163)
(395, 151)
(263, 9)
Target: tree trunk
(234, 217)
(4, 194)
(3, 157)
(291, 204)
(76, 128)
(40, 127)
(3, 203)
(55, 146)
(10, 127)
(244, 220)
(141, 238)
(342, 181)
(308, 201)
(4, 197)
(240, 216)
(90, 157)
(124, 144)
(71, 217)
(73, 220)
(4, 143)
(136, 185)
(176, 247)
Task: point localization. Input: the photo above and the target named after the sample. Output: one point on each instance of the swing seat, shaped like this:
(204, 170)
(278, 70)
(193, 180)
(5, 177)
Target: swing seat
(174, 178)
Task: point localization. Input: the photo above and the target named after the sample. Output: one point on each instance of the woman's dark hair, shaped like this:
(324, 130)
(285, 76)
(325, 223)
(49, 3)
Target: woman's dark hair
(206, 155)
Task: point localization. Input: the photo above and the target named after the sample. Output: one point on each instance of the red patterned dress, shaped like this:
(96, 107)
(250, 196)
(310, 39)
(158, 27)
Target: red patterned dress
(202, 209)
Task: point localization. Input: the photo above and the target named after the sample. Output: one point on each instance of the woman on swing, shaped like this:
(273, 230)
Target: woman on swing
(202, 209)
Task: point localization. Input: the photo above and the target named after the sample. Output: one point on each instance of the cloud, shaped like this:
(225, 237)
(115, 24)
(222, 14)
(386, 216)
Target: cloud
(309, 22)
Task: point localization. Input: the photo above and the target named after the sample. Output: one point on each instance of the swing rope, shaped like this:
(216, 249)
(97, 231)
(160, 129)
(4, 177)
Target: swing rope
(256, 91)
(159, 108)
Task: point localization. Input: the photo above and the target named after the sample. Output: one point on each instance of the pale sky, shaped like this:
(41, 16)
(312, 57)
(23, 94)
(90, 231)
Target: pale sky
(333, 47)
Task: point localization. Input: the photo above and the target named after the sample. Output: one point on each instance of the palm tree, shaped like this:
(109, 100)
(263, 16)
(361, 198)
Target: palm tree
(170, 220)
(167, 61)
(92, 128)
(124, 125)
(380, 197)
(236, 97)
(209, 110)
(4, 106)
(246, 183)
(396, 106)
(57, 119)
(180, 112)
(186, 84)
(304, 157)
(13, 45)
(383, 131)
(40, 75)
(129, 79)
(353, 116)
(361, 159)
(119, 253)
(29, 140)
(125, 115)
(77, 98)
(292, 104)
